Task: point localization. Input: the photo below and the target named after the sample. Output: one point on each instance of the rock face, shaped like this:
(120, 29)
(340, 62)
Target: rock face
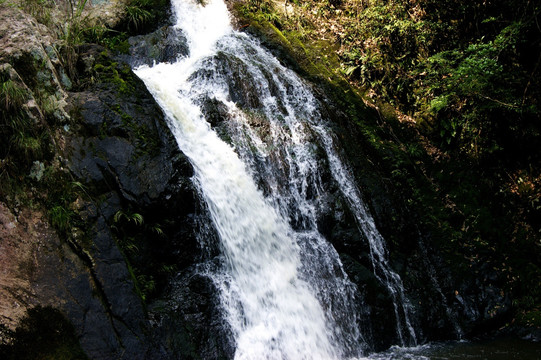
(44, 270)
(28, 60)
(121, 149)
(28, 55)
(116, 147)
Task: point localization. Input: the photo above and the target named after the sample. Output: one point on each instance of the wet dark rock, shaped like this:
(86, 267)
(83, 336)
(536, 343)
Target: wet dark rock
(233, 71)
(123, 152)
(481, 303)
(215, 112)
(192, 322)
(123, 144)
(163, 45)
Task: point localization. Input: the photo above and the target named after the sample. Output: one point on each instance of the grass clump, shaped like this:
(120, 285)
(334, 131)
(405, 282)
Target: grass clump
(24, 139)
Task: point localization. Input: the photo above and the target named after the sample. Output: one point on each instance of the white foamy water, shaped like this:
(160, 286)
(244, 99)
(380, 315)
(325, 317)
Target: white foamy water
(273, 313)
(283, 289)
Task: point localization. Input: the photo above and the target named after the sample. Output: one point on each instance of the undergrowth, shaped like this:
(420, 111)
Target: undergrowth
(457, 103)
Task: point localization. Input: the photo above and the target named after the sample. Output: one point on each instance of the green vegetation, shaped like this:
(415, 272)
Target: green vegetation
(60, 218)
(457, 89)
(138, 14)
(466, 72)
(24, 138)
(115, 73)
(61, 196)
(41, 10)
(142, 15)
(133, 236)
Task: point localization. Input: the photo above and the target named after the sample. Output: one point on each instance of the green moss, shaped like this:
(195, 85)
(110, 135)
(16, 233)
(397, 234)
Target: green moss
(115, 73)
(142, 136)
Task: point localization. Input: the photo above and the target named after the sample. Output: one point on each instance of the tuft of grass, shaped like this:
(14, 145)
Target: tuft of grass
(21, 138)
(12, 95)
(60, 218)
(41, 10)
(28, 146)
(137, 15)
(72, 34)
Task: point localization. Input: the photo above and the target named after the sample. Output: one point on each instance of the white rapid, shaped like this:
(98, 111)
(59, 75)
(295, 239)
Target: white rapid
(283, 288)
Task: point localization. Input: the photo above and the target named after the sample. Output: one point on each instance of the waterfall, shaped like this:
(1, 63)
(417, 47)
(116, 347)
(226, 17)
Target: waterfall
(282, 286)
(378, 251)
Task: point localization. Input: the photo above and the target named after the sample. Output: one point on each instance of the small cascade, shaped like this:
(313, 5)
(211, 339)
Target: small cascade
(378, 251)
(282, 285)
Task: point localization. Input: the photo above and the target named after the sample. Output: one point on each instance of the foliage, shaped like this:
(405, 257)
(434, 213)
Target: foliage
(60, 218)
(12, 95)
(136, 218)
(464, 154)
(141, 16)
(137, 14)
(133, 236)
(72, 33)
(261, 10)
(61, 196)
(462, 69)
(466, 73)
(23, 138)
(41, 10)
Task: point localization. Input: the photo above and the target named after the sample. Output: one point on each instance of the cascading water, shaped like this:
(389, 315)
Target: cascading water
(378, 252)
(283, 287)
